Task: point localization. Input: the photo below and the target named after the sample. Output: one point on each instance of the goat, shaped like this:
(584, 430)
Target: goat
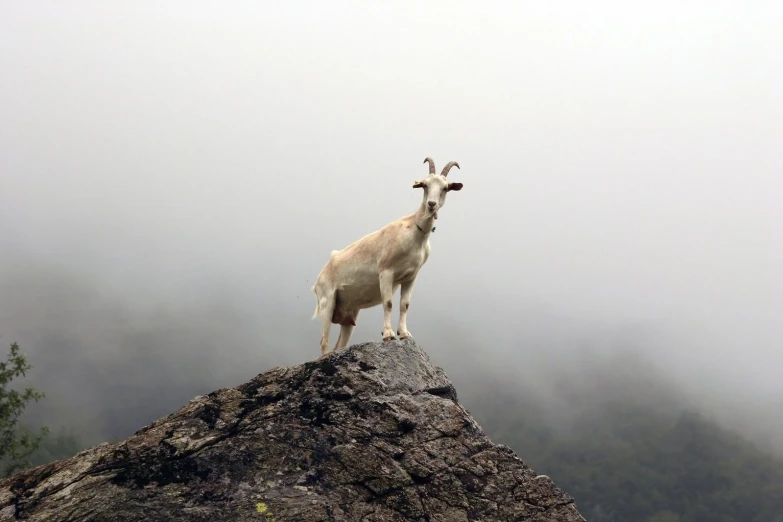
(368, 272)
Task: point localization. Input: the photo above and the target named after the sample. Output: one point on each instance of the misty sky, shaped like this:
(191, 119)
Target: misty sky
(186, 170)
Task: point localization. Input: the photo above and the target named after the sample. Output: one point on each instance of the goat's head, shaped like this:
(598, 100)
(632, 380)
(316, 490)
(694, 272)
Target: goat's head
(435, 187)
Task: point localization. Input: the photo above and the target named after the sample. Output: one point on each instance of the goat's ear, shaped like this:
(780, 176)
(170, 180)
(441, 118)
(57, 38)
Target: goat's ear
(455, 186)
(418, 184)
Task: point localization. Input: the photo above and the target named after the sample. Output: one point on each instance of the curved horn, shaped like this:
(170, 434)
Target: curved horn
(447, 168)
(432, 165)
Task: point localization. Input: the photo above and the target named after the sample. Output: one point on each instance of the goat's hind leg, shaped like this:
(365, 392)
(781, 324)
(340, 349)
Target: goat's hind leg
(346, 329)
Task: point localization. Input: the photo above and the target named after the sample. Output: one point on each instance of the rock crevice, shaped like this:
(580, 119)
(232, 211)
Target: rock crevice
(373, 432)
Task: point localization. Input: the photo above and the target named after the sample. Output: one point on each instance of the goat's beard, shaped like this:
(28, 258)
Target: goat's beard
(435, 215)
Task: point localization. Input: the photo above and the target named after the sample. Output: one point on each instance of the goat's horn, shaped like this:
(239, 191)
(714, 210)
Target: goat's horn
(432, 165)
(446, 169)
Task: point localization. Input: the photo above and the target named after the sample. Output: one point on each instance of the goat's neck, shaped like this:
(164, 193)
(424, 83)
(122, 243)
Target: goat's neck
(424, 221)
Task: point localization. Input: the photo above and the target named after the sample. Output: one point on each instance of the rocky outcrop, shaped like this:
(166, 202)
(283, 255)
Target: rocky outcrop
(373, 432)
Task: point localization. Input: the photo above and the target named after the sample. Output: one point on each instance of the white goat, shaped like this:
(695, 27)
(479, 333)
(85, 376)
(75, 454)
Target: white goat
(367, 272)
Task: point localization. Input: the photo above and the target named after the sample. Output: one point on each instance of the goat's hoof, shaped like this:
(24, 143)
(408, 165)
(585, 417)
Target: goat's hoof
(389, 338)
(404, 335)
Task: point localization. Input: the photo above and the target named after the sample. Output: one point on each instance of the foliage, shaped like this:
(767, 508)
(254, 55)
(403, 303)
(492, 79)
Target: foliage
(16, 444)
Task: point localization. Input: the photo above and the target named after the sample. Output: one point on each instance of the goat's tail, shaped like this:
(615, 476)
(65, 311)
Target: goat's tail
(317, 303)
(314, 289)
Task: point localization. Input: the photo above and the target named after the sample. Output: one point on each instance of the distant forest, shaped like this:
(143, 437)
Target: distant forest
(627, 462)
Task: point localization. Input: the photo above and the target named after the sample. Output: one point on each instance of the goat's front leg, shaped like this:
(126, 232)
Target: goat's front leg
(406, 289)
(386, 280)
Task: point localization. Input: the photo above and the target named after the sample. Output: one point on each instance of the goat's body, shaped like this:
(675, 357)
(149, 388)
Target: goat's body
(367, 272)
(350, 281)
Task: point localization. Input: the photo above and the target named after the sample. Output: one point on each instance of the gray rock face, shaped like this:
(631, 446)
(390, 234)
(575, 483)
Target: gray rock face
(373, 432)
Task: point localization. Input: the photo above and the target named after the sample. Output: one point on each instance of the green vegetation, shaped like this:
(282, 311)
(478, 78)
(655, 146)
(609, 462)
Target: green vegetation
(625, 461)
(21, 447)
(16, 443)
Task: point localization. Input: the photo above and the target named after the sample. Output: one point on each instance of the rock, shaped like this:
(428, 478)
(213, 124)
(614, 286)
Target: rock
(373, 432)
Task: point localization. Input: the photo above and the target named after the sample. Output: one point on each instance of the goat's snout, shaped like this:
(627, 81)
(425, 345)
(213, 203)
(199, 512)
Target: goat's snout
(432, 204)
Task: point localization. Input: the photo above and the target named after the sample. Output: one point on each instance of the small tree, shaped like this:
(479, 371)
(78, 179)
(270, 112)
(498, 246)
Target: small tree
(16, 445)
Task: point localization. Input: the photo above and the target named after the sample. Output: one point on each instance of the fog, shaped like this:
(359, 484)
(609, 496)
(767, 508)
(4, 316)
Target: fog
(172, 179)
